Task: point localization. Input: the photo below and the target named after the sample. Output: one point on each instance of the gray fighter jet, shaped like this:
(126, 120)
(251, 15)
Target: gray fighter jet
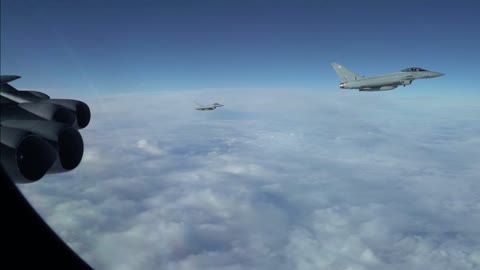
(351, 80)
(38, 135)
(207, 108)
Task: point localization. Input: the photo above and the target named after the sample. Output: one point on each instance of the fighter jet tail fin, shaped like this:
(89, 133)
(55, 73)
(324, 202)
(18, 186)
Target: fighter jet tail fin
(345, 74)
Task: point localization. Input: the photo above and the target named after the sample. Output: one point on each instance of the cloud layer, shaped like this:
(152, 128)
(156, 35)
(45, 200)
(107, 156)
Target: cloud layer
(273, 180)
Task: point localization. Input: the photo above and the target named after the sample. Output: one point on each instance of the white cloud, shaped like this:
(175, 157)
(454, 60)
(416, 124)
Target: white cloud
(273, 180)
(148, 147)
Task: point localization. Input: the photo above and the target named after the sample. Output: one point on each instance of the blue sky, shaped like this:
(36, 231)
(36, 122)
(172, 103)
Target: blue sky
(131, 46)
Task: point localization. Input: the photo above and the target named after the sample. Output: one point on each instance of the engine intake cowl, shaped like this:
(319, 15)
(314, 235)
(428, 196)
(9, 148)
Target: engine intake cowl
(81, 109)
(65, 139)
(25, 157)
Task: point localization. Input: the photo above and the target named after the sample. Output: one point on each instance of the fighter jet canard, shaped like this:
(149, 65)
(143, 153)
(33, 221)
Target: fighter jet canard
(39, 135)
(207, 108)
(351, 80)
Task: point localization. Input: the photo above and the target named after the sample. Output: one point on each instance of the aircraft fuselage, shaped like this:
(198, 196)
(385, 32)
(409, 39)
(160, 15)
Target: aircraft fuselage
(352, 80)
(388, 81)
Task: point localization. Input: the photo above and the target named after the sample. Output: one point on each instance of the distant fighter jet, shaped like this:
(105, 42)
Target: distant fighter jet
(351, 80)
(208, 108)
(38, 135)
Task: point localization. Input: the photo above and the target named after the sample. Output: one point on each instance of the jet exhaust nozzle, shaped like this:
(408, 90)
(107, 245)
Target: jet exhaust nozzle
(81, 110)
(25, 157)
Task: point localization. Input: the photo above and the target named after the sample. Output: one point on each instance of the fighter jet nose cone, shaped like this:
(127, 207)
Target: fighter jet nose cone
(433, 74)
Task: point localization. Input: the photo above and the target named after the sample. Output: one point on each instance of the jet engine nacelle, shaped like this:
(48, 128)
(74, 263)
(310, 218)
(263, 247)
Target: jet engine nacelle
(25, 157)
(52, 112)
(81, 110)
(38, 135)
(66, 141)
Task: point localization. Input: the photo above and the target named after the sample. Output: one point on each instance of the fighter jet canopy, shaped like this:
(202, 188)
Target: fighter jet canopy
(413, 69)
